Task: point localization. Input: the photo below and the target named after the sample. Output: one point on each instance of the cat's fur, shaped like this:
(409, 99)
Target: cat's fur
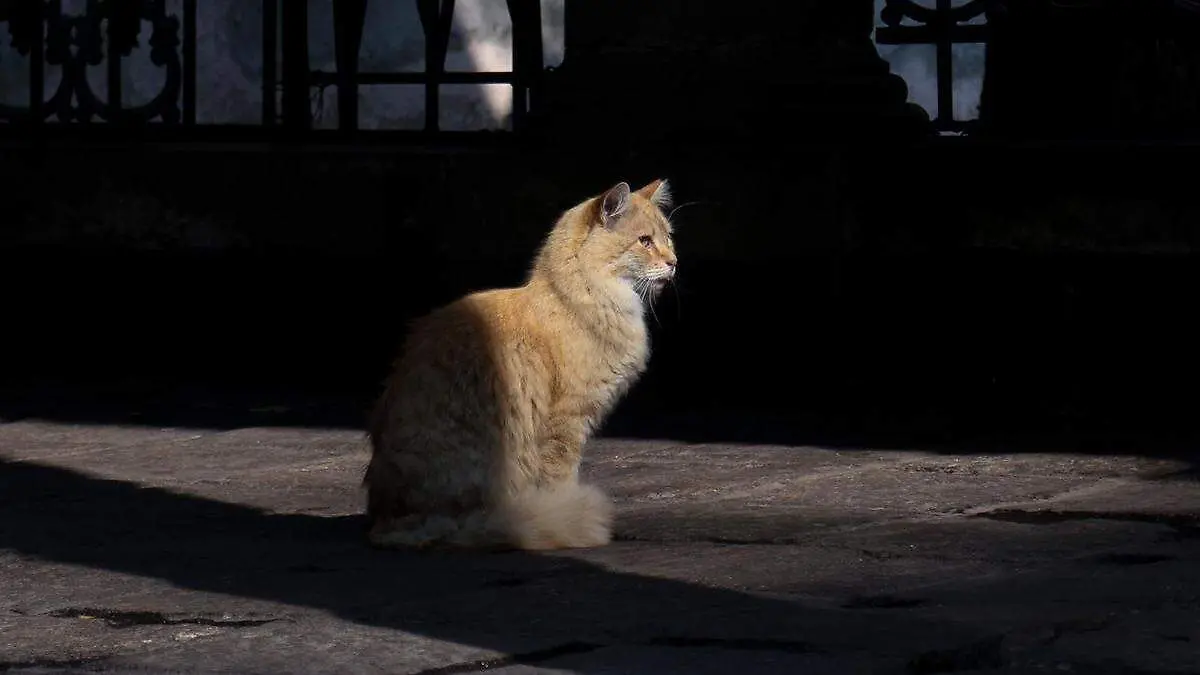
(477, 438)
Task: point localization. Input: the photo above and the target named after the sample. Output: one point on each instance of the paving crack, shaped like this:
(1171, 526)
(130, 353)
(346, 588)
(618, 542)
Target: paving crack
(524, 659)
(1185, 526)
(746, 644)
(720, 541)
(1127, 559)
(51, 664)
(1077, 626)
(984, 654)
(874, 554)
(881, 602)
(800, 539)
(129, 619)
(573, 648)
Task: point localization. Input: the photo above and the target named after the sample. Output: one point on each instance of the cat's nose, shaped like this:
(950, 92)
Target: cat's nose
(671, 265)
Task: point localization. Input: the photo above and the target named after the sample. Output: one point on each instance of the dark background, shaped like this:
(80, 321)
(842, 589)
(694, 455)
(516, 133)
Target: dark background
(848, 273)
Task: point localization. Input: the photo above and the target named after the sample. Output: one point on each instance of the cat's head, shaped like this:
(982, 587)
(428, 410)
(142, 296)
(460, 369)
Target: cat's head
(630, 236)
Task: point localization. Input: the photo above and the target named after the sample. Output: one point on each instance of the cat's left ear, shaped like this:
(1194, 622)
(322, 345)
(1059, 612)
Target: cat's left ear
(658, 192)
(614, 203)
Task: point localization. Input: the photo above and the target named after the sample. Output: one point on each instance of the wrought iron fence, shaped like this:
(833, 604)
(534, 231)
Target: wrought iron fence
(108, 31)
(46, 35)
(943, 26)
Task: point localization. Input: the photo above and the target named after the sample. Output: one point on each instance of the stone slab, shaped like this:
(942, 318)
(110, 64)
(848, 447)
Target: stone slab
(142, 549)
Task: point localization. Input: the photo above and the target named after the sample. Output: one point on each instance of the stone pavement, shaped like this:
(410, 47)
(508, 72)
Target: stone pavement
(146, 549)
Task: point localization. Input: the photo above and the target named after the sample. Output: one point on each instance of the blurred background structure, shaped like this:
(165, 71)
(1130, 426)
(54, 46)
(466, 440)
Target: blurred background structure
(940, 217)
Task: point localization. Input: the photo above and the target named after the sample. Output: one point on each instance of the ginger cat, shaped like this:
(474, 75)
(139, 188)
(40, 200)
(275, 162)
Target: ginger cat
(477, 437)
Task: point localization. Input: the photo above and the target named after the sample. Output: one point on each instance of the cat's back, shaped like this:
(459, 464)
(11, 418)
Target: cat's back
(477, 316)
(450, 359)
(483, 328)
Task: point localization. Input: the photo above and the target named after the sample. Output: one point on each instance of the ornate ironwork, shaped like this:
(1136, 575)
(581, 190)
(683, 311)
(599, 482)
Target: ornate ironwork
(896, 11)
(75, 42)
(942, 26)
(437, 18)
(22, 19)
(106, 32)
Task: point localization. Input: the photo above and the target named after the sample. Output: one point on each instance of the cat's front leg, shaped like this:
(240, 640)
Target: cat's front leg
(557, 511)
(561, 450)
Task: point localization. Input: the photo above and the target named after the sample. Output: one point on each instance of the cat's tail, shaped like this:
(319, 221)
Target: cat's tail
(566, 515)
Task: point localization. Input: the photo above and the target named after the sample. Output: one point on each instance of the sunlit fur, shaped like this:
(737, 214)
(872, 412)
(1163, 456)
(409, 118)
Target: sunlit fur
(477, 438)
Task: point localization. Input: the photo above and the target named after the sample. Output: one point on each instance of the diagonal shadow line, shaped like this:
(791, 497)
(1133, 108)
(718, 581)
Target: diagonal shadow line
(513, 603)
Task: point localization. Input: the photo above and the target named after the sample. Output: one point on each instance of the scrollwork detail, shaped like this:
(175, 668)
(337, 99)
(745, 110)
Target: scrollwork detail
(75, 42)
(896, 11)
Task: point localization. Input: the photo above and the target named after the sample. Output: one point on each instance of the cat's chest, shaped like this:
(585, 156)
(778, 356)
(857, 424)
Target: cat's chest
(628, 365)
(621, 362)
(604, 369)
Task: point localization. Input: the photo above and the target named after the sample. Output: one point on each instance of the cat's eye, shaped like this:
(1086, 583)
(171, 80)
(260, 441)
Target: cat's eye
(646, 240)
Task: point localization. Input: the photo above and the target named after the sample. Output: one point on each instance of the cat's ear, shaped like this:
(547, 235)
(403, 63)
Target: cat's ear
(658, 192)
(614, 203)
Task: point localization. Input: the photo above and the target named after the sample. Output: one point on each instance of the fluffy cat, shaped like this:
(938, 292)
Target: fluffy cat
(477, 437)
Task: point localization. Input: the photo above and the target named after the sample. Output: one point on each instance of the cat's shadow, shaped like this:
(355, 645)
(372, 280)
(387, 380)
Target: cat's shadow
(515, 603)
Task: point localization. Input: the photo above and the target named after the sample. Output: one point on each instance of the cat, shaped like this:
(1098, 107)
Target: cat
(477, 437)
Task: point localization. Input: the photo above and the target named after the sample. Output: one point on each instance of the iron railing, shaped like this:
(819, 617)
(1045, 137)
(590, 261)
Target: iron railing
(943, 26)
(108, 31)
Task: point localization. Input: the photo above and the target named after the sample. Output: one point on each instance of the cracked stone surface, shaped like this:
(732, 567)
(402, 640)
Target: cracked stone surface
(147, 549)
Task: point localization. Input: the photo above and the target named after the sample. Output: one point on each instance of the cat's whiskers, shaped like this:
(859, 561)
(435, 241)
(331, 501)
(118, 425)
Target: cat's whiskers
(677, 208)
(650, 306)
(678, 304)
(641, 288)
(646, 286)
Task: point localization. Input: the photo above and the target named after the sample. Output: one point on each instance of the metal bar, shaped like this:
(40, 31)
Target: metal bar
(297, 114)
(528, 57)
(189, 62)
(325, 78)
(270, 58)
(113, 65)
(436, 18)
(945, 62)
(37, 63)
(428, 11)
(348, 19)
(517, 16)
(535, 59)
(245, 137)
(923, 35)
